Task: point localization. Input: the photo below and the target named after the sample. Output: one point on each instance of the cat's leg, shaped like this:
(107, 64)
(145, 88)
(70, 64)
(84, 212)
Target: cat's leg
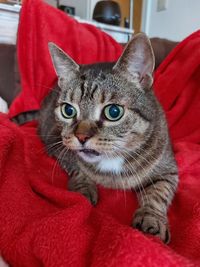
(154, 199)
(78, 182)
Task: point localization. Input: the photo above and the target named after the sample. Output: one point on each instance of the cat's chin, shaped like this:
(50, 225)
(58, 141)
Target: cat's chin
(90, 156)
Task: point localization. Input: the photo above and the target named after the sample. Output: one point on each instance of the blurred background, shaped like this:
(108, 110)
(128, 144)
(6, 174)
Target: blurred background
(171, 19)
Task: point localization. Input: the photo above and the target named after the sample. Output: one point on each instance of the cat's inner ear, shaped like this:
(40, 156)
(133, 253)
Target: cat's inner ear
(64, 65)
(137, 60)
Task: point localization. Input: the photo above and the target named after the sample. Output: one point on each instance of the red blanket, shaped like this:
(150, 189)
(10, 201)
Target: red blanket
(43, 224)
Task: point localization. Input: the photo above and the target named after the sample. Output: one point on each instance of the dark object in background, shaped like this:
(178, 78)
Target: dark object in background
(126, 23)
(67, 9)
(107, 12)
(9, 74)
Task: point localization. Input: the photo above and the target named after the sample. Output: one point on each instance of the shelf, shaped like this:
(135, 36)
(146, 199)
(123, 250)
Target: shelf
(9, 17)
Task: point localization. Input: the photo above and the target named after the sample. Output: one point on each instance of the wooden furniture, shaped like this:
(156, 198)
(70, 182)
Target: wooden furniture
(84, 11)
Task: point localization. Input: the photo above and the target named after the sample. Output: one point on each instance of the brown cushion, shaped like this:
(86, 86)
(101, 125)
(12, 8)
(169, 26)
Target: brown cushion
(9, 75)
(161, 47)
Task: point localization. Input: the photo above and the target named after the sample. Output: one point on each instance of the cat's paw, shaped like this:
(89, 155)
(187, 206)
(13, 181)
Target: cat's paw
(88, 190)
(148, 221)
(90, 193)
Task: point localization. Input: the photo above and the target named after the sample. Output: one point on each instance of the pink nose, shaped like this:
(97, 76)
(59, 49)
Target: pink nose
(82, 137)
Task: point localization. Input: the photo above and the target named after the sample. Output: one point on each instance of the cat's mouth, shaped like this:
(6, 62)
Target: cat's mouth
(89, 155)
(90, 152)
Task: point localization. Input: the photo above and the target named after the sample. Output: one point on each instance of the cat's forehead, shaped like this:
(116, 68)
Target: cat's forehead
(97, 84)
(94, 70)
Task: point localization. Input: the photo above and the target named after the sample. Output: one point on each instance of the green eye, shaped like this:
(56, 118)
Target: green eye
(113, 112)
(68, 111)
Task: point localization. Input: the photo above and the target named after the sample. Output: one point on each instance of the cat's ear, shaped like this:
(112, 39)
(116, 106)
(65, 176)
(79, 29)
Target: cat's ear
(137, 60)
(63, 64)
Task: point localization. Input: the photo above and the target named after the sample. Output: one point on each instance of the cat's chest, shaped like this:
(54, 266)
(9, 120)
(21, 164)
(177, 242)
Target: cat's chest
(112, 165)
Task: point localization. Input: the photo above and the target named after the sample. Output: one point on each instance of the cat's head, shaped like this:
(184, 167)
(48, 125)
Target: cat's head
(105, 110)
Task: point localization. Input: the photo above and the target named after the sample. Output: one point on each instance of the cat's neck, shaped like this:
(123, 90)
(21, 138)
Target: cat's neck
(104, 164)
(112, 165)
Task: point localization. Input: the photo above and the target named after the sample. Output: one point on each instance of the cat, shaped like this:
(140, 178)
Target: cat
(106, 124)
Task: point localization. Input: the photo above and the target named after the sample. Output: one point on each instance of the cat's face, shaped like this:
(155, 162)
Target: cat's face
(102, 108)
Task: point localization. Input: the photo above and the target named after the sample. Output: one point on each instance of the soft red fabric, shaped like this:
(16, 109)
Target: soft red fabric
(43, 224)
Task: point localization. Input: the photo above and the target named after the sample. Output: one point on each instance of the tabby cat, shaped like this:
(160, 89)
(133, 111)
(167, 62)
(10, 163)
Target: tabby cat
(106, 124)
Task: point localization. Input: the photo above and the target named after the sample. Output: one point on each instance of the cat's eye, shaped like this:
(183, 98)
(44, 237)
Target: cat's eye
(113, 112)
(68, 111)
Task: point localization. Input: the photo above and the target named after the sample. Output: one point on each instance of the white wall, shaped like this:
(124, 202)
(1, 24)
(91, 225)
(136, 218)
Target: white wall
(93, 3)
(51, 2)
(181, 18)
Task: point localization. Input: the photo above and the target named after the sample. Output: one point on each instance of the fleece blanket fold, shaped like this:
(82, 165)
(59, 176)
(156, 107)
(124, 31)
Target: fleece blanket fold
(41, 222)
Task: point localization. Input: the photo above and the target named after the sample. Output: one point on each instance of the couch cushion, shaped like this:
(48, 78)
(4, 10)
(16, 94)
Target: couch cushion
(9, 76)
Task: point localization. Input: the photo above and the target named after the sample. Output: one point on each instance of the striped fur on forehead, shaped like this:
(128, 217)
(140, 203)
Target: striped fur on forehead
(98, 82)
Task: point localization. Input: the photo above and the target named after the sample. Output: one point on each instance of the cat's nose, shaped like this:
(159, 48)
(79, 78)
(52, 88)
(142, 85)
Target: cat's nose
(85, 130)
(82, 137)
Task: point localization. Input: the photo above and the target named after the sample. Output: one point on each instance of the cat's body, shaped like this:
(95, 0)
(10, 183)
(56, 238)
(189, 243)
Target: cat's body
(105, 125)
(156, 146)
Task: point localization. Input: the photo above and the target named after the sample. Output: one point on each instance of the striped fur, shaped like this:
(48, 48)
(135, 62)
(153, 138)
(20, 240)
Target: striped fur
(25, 117)
(139, 141)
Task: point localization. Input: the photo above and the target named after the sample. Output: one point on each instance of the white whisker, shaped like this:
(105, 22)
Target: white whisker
(56, 163)
(134, 173)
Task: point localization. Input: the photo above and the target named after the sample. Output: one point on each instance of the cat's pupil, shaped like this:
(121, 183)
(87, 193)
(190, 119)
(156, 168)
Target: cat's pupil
(69, 110)
(114, 111)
